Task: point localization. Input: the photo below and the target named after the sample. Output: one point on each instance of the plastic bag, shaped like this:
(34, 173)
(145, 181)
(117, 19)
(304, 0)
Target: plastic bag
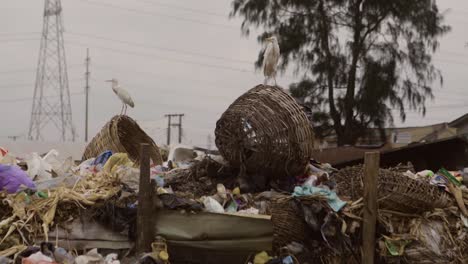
(62, 256)
(85, 167)
(117, 160)
(13, 177)
(38, 169)
(38, 258)
(262, 258)
(103, 158)
(4, 260)
(66, 181)
(129, 176)
(310, 182)
(212, 206)
(91, 257)
(59, 166)
(112, 259)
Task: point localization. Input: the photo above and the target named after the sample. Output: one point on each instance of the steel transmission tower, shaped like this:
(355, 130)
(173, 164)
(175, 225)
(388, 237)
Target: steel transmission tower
(51, 104)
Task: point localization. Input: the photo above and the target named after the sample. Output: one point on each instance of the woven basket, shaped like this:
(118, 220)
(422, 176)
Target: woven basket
(396, 192)
(288, 223)
(122, 134)
(265, 131)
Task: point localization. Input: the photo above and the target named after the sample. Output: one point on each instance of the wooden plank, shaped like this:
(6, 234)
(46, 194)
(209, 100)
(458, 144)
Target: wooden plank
(145, 230)
(371, 172)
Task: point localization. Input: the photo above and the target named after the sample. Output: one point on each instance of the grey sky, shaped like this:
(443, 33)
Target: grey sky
(171, 58)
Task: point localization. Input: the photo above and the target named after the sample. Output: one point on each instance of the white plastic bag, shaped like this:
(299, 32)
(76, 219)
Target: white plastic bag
(112, 259)
(212, 206)
(92, 257)
(38, 169)
(85, 167)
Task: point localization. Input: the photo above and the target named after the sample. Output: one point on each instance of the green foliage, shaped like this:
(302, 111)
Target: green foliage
(364, 59)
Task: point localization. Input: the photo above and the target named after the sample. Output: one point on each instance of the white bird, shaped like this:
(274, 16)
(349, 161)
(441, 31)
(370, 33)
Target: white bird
(271, 58)
(123, 95)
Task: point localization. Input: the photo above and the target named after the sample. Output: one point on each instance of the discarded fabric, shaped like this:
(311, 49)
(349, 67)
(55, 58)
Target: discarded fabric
(333, 200)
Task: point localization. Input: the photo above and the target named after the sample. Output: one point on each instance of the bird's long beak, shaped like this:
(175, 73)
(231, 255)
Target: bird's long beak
(109, 80)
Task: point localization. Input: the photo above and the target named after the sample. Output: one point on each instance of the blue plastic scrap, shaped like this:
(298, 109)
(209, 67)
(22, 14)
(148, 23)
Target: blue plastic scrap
(103, 157)
(332, 198)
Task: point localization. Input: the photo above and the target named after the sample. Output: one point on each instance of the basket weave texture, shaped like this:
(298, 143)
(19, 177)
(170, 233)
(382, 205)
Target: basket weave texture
(265, 131)
(122, 134)
(396, 191)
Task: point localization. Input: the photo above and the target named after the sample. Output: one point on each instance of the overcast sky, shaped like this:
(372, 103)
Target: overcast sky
(173, 56)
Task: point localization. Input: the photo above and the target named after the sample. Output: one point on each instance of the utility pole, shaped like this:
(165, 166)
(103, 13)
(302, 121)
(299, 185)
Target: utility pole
(168, 129)
(208, 142)
(87, 74)
(170, 124)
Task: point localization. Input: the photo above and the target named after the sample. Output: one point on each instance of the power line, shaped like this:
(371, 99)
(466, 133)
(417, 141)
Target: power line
(146, 55)
(161, 48)
(32, 69)
(18, 33)
(28, 84)
(199, 11)
(138, 11)
(21, 99)
(169, 77)
(17, 40)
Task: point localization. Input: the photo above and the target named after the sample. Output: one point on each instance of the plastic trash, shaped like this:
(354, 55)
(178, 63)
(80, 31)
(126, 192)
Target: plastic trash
(262, 258)
(62, 256)
(117, 160)
(310, 181)
(288, 260)
(129, 176)
(85, 167)
(332, 198)
(232, 207)
(112, 259)
(396, 246)
(38, 258)
(66, 181)
(159, 180)
(4, 260)
(236, 191)
(103, 157)
(250, 210)
(91, 257)
(212, 206)
(12, 178)
(221, 191)
(425, 174)
(38, 169)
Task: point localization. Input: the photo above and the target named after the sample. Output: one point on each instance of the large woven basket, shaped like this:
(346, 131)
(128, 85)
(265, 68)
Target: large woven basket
(122, 134)
(396, 191)
(265, 131)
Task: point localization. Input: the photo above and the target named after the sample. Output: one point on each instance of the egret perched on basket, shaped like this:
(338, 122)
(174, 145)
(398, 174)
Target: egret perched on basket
(271, 58)
(123, 95)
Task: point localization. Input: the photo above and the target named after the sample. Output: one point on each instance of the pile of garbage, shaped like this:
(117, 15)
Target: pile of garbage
(320, 220)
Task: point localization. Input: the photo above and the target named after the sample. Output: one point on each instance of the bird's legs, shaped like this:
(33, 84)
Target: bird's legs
(125, 109)
(265, 82)
(121, 110)
(274, 77)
